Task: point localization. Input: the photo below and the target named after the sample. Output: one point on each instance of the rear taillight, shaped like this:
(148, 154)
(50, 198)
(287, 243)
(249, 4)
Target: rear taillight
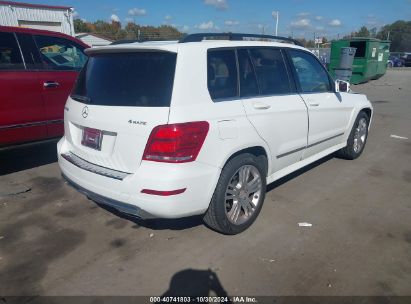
(176, 143)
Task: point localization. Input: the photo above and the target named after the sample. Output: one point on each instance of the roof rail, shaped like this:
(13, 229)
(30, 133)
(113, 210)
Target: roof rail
(235, 37)
(124, 41)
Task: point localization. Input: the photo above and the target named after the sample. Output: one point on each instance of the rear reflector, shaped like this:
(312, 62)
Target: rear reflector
(163, 193)
(176, 143)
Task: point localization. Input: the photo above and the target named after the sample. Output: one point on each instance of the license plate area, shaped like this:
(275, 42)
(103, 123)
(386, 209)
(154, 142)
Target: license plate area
(92, 138)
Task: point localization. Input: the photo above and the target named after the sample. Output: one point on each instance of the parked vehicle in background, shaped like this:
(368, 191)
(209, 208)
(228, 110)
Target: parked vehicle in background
(407, 59)
(395, 61)
(201, 127)
(37, 72)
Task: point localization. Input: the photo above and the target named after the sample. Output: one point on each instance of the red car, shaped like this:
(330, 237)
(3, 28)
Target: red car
(37, 71)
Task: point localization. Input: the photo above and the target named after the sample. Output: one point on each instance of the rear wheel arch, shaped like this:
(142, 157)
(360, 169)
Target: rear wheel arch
(258, 151)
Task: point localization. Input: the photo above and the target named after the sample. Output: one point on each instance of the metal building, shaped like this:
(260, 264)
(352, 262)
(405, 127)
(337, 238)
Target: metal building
(92, 39)
(37, 16)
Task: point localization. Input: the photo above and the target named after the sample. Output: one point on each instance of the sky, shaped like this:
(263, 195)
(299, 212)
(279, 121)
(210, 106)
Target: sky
(299, 18)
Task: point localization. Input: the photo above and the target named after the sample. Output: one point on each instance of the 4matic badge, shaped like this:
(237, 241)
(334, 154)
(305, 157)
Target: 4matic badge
(137, 122)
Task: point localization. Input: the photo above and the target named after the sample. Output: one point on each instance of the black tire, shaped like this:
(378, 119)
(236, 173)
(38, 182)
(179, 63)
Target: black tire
(348, 152)
(216, 216)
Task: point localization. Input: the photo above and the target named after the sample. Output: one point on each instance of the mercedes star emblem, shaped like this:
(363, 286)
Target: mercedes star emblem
(85, 112)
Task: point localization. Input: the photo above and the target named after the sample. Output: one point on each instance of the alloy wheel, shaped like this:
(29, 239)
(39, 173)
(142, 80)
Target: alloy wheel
(243, 194)
(360, 135)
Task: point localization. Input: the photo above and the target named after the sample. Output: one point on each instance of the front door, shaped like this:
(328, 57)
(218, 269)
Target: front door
(328, 114)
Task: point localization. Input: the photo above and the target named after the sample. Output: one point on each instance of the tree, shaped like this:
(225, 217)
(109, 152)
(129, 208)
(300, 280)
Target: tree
(114, 31)
(363, 32)
(310, 44)
(399, 33)
(80, 26)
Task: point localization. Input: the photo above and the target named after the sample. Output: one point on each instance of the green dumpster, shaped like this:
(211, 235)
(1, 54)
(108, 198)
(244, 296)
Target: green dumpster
(383, 54)
(365, 65)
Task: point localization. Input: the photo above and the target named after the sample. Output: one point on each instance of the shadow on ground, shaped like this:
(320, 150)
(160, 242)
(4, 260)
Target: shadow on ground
(194, 283)
(299, 172)
(28, 156)
(158, 224)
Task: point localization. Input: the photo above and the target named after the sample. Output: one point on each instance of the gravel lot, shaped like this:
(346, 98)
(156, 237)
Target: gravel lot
(53, 241)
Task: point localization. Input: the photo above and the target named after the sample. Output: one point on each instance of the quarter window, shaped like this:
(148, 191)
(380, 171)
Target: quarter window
(271, 71)
(311, 74)
(10, 56)
(222, 74)
(60, 54)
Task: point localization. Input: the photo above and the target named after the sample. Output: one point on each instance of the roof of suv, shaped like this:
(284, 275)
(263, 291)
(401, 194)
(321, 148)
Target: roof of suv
(173, 46)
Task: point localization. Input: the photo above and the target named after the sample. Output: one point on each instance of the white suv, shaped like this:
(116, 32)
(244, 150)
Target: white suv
(169, 130)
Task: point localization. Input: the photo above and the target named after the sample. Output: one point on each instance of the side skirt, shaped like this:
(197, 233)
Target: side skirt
(294, 167)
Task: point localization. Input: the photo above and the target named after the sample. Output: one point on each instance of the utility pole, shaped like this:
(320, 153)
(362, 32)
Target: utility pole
(314, 41)
(388, 36)
(276, 15)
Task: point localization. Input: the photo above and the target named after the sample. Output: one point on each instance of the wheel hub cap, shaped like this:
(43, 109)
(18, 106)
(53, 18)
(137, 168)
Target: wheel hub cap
(243, 194)
(360, 135)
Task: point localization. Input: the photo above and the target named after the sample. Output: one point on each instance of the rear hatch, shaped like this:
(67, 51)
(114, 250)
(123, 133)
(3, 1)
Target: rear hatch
(119, 97)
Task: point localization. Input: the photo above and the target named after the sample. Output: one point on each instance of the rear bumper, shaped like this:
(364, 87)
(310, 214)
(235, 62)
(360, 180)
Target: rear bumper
(123, 207)
(125, 194)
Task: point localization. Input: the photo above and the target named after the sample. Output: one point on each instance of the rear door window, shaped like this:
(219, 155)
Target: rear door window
(10, 56)
(60, 54)
(140, 79)
(222, 74)
(271, 71)
(248, 80)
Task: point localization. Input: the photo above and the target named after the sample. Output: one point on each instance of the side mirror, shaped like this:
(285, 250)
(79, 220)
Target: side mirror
(342, 86)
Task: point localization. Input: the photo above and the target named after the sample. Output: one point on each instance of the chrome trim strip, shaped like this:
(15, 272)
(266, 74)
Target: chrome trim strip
(120, 206)
(55, 121)
(324, 140)
(309, 146)
(290, 152)
(85, 165)
(32, 124)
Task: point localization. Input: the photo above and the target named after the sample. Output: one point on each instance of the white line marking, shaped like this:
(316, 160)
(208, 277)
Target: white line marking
(398, 137)
(305, 224)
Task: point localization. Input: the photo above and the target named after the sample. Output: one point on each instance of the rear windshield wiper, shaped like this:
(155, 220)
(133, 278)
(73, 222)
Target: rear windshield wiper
(80, 98)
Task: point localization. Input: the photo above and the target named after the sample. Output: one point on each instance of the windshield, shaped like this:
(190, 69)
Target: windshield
(140, 79)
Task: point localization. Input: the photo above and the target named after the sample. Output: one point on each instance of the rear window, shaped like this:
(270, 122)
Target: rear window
(141, 79)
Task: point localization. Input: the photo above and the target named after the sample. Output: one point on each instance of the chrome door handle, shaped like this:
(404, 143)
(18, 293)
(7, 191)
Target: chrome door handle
(50, 84)
(261, 106)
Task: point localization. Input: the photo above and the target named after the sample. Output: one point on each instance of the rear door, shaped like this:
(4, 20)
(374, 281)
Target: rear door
(62, 61)
(327, 112)
(272, 104)
(22, 112)
(118, 99)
